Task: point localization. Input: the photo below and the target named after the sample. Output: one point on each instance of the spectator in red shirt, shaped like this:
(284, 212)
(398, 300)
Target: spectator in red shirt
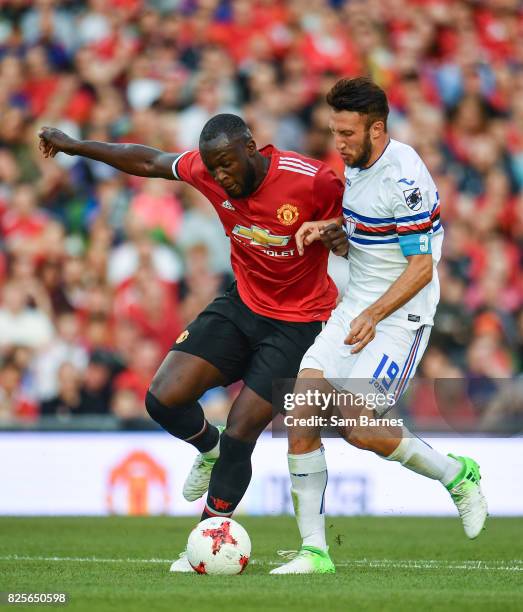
(143, 363)
(23, 222)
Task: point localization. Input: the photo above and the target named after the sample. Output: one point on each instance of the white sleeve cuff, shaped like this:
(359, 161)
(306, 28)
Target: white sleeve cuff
(175, 165)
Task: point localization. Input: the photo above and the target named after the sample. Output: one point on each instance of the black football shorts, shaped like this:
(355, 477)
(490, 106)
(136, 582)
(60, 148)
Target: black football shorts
(247, 346)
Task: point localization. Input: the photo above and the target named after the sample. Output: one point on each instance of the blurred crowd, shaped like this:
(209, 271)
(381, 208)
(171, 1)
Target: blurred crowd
(100, 272)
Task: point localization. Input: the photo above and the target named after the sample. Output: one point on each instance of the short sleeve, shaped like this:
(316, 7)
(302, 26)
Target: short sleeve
(328, 194)
(187, 166)
(413, 200)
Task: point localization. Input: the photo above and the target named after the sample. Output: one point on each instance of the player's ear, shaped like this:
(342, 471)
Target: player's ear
(251, 147)
(377, 128)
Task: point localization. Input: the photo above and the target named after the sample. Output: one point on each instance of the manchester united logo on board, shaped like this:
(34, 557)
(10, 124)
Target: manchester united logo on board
(288, 214)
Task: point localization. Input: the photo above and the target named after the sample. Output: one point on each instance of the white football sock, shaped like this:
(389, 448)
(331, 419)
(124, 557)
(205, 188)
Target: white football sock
(309, 481)
(419, 457)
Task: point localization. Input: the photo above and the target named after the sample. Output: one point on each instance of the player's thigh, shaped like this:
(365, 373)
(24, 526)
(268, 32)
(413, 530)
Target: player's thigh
(382, 369)
(278, 354)
(184, 378)
(249, 415)
(212, 351)
(329, 354)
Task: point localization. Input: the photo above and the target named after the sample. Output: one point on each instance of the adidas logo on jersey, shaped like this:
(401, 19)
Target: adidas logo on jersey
(228, 205)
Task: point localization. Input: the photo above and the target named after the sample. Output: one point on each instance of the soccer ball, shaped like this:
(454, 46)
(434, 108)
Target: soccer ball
(218, 546)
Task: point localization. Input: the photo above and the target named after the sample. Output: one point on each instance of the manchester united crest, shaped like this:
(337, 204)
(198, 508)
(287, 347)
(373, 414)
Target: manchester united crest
(288, 214)
(182, 337)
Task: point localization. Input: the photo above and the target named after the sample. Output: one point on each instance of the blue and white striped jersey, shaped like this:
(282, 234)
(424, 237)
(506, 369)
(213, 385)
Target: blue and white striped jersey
(391, 211)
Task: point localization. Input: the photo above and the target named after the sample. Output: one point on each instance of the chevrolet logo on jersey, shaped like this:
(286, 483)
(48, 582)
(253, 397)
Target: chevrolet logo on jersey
(260, 236)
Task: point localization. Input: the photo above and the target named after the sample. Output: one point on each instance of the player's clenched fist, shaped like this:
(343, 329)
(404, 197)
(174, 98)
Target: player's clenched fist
(52, 141)
(335, 239)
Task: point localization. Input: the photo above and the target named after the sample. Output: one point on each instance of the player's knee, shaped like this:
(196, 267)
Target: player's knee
(234, 449)
(154, 406)
(245, 431)
(159, 401)
(248, 425)
(161, 407)
(247, 420)
(169, 393)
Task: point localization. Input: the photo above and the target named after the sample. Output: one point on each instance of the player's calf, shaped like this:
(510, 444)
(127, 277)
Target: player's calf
(230, 476)
(249, 416)
(381, 440)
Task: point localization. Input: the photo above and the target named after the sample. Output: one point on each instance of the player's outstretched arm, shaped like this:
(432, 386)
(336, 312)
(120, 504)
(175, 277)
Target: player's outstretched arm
(131, 158)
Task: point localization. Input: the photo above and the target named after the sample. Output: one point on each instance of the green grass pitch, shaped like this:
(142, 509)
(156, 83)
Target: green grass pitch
(403, 564)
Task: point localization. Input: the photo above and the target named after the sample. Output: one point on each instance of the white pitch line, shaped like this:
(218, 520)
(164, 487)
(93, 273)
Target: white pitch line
(513, 565)
(82, 559)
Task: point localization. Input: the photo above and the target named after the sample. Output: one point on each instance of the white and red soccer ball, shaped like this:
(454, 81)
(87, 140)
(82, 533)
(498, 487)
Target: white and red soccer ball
(219, 546)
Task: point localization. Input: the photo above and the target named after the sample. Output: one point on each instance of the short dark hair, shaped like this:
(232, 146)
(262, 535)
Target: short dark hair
(227, 124)
(360, 95)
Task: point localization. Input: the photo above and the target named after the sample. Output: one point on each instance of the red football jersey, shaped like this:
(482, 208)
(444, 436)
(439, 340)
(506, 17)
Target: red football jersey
(273, 280)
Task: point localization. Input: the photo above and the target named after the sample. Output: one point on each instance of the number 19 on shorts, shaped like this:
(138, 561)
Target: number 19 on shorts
(389, 368)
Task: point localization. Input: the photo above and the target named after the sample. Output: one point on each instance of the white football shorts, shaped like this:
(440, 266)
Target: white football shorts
(386, 364)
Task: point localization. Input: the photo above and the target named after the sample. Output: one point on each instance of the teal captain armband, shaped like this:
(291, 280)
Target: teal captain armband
(416, 244)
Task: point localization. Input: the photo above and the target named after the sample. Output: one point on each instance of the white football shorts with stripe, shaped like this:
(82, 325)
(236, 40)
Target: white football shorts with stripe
(385, 366)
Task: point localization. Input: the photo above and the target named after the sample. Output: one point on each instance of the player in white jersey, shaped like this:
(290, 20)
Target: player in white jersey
(376, 336)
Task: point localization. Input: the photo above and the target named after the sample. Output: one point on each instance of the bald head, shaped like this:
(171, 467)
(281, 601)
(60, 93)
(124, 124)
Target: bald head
(230, 155)
(223, 130)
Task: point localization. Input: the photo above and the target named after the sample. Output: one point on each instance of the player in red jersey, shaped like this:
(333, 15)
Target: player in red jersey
(260, 329)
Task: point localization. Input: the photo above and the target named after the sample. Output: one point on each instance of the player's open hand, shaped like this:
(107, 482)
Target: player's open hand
(307, 234)
(52, 141)
(335, 239)
(362, 331)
